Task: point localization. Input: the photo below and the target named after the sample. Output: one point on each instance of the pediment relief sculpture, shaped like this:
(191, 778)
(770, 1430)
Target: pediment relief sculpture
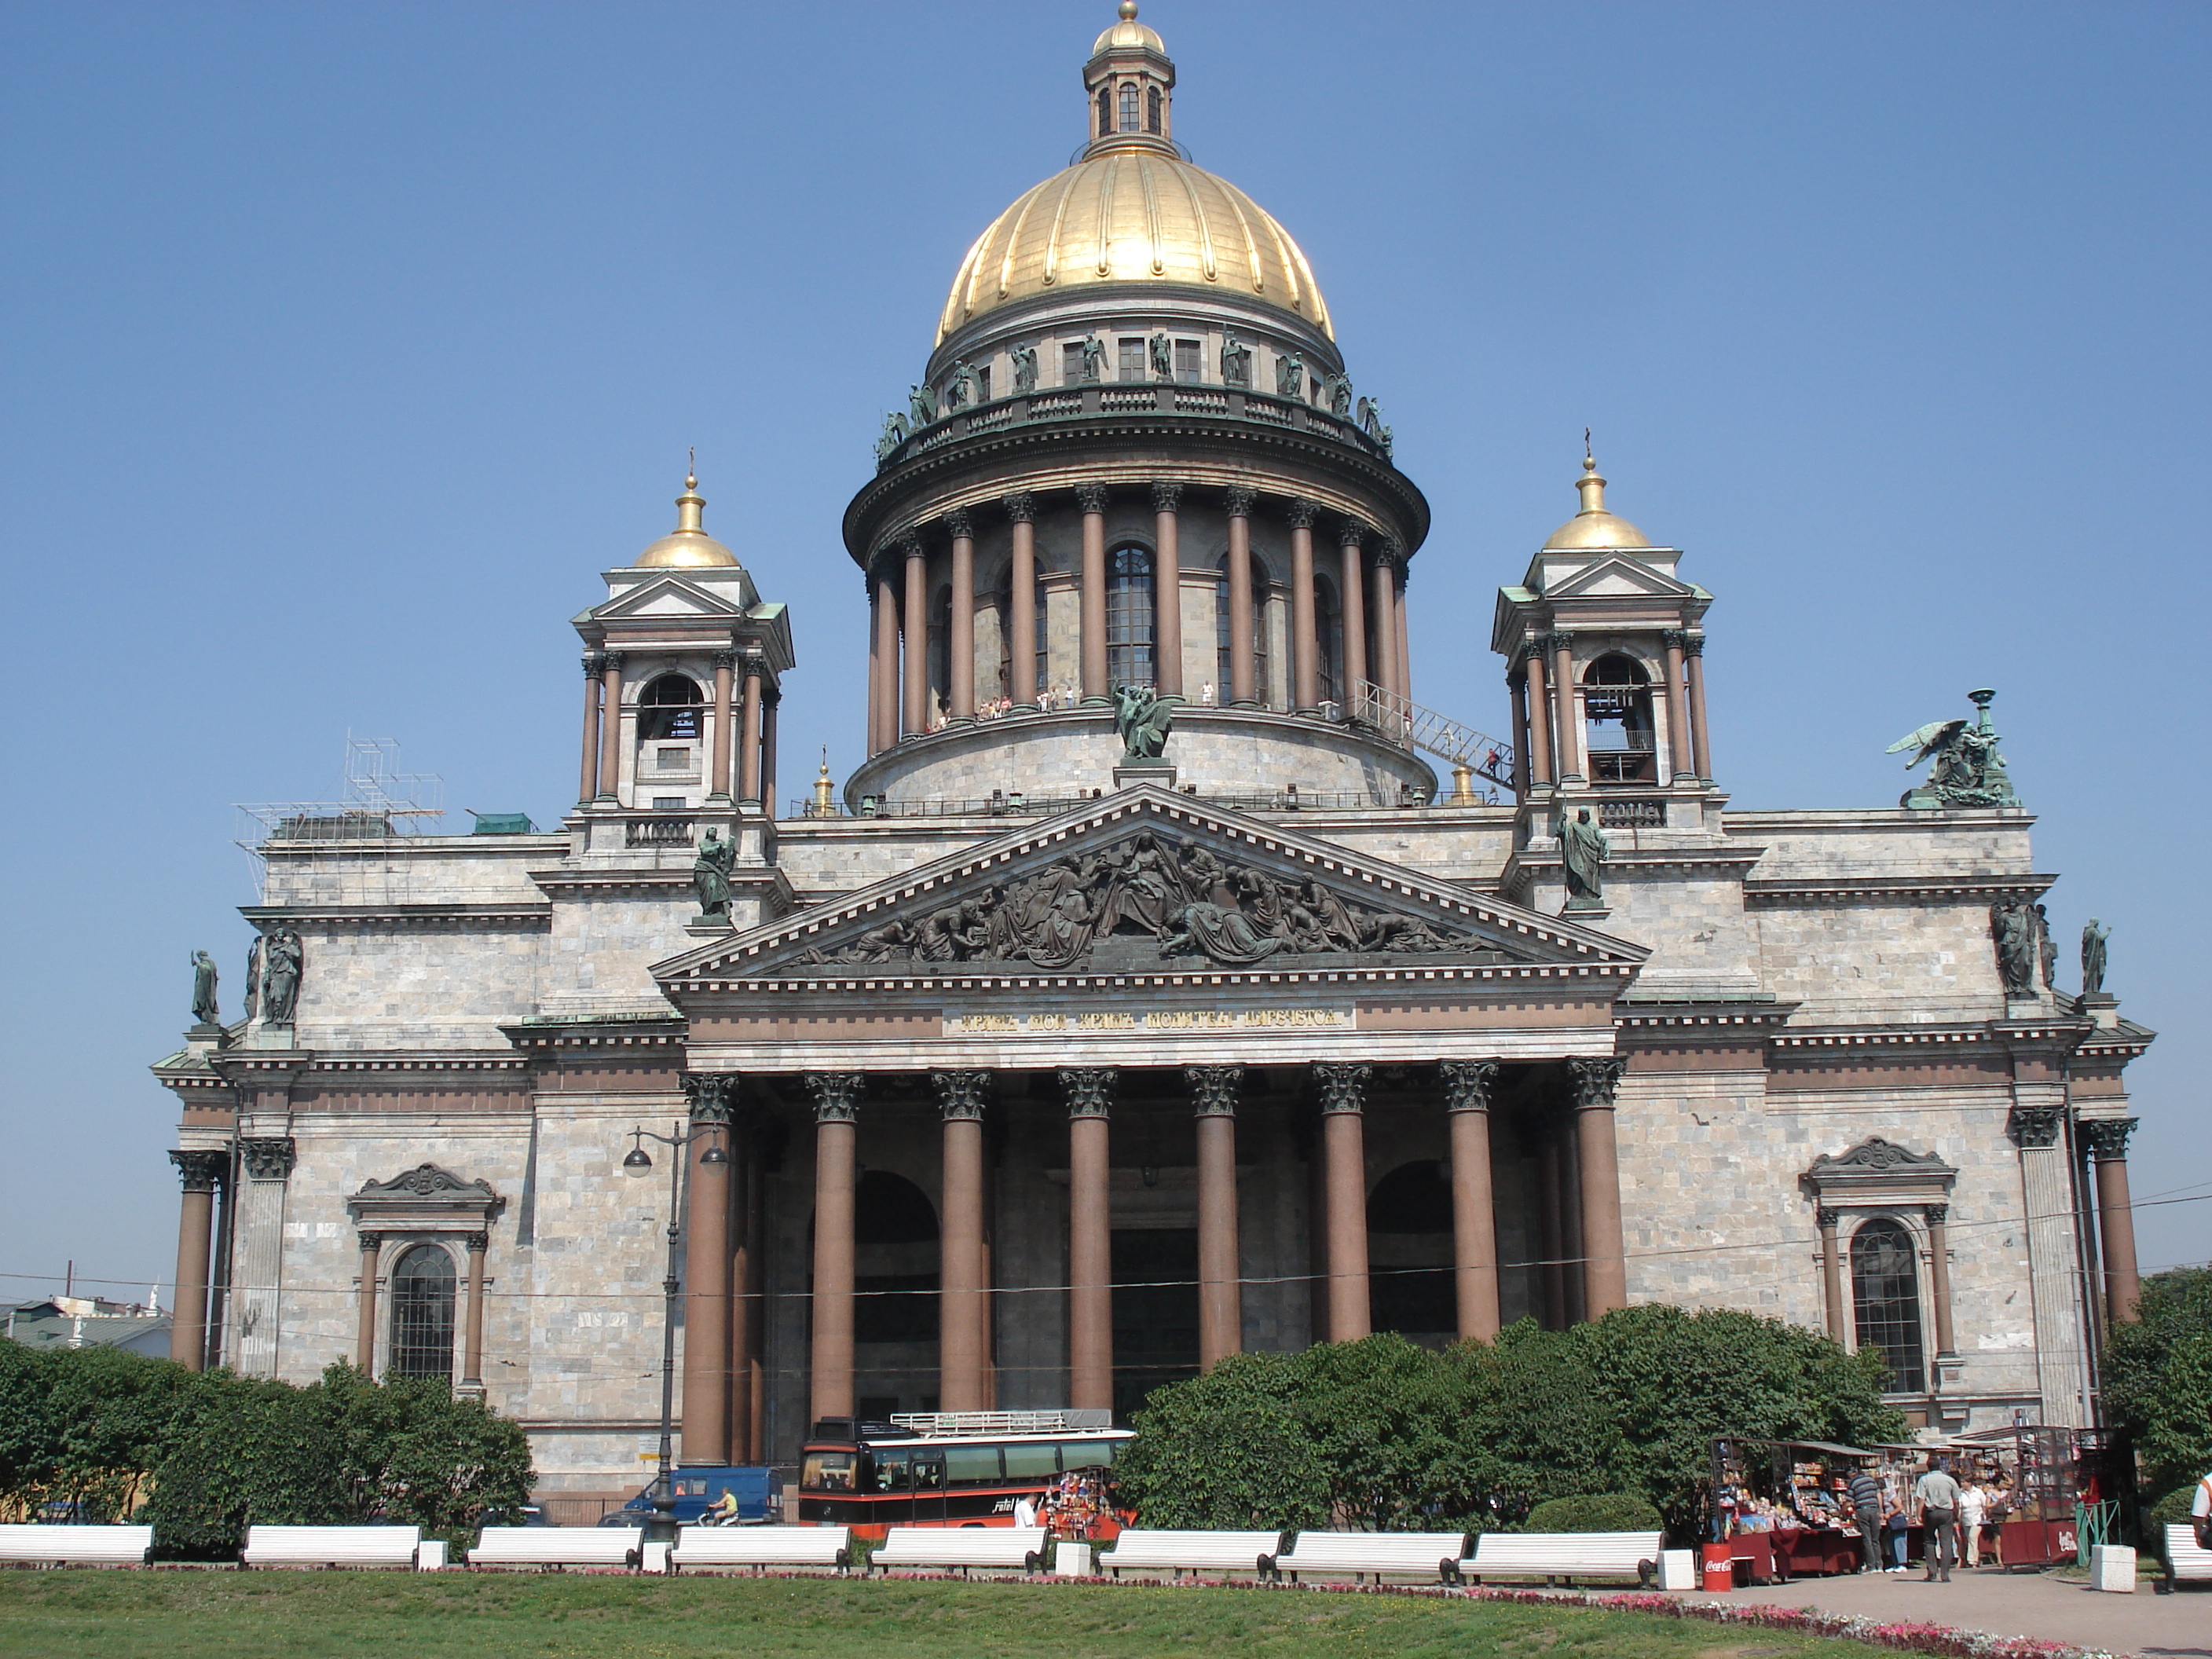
(425, 1191)
(1875, 1153)
(1145, 901)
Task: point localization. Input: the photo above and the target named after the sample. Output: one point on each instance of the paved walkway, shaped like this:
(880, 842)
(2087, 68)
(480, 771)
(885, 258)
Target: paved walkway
(2178, 1626)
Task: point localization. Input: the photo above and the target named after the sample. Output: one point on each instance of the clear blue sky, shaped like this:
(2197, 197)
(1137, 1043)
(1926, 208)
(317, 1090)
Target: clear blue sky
(345, 345)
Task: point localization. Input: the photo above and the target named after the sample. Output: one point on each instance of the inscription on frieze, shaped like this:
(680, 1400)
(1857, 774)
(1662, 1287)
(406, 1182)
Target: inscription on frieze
(1165, 1020)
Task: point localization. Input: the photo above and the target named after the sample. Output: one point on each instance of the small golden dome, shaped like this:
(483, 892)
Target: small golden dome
(689, 547)
(1128, 32)
(1595, 527)
(1133, 215)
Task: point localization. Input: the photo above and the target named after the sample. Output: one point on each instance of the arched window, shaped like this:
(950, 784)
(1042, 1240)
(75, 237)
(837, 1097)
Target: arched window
(1129, 106)
(669, 708)
(1886, 1295)
(1151, 109)
(1617, 708)
(1129, 617)
(1105, 110)
(423, 1314)
(940, 654)
(1223, 662)
(895, 1238)
(1409, 1223)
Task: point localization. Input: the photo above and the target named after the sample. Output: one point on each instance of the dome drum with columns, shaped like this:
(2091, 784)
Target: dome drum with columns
(1135, 459)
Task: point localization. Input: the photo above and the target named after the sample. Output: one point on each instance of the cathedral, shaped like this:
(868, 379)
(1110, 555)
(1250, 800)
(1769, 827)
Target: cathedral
(1147, 996)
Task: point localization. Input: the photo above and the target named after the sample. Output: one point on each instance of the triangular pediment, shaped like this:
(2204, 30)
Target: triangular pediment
(1148, 882)
(1616, 577)
(670, 596)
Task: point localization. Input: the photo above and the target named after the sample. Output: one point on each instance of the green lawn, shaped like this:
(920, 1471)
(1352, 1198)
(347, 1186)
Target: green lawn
(354, 1615)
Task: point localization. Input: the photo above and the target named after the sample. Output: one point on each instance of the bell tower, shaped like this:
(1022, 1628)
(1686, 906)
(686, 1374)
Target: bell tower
(1130, 81)
(1604, 645)
(682, 673)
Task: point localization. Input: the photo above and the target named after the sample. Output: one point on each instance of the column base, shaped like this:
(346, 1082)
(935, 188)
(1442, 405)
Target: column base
(1096, 702)
(271, 1036)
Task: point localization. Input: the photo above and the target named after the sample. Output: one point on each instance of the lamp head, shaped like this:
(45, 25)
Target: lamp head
(637, 1161)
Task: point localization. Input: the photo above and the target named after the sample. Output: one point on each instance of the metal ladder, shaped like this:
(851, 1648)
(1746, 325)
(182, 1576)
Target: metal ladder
(1403, 720)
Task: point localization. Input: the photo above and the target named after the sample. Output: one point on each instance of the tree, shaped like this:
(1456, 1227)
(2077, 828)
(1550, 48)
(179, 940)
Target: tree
(2158, 1377)
(1225, 1450)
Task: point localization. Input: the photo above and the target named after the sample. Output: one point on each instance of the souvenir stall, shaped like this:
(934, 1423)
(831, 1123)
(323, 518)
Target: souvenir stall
(2039, 1479)
(1782, 1508)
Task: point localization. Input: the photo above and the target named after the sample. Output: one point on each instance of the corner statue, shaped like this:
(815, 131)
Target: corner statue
(1967, 770)
(1143, 718)
(710, 877)
(203, 982)
(1582, 850)
(2093, 958)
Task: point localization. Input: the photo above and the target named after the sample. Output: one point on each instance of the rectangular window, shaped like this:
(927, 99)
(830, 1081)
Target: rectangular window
(670, 803)
(1028, 1462)
(827, 1472)
(673, 760)
(1132, 358)
(983, 383)
(1071, 362)
(1187, 361)
(1087, 1454)
(971, 1466)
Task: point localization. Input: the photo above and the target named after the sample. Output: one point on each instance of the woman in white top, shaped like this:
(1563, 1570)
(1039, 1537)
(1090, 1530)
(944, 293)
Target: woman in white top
(1974, 1509)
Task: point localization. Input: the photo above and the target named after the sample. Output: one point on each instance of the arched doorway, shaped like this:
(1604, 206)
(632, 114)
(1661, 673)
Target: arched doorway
(1409, 1254)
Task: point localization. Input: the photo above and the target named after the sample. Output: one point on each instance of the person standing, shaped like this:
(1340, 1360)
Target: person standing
(1865, 1493)
(2200, 1512)
(1935, 1494)
(1973, 1510)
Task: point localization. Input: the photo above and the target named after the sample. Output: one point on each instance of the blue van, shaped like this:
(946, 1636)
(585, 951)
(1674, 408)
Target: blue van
(698, 1489)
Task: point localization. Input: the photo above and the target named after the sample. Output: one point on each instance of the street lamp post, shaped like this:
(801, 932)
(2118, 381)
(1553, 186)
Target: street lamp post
(637, 1163)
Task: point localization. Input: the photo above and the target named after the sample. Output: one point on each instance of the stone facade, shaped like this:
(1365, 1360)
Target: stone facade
(1698, 1080)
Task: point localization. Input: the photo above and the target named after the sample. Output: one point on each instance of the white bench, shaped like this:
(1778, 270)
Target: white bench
(762, 1547)
(1161, 1550)
(1018, 1549)
(551, 1548)
(1568, 1555)
(331, 1546)
(77, 1547)
(2184, 1562)
(1398, 1554)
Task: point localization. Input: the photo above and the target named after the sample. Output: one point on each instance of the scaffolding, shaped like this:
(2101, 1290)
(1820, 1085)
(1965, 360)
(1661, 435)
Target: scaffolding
(377, 802)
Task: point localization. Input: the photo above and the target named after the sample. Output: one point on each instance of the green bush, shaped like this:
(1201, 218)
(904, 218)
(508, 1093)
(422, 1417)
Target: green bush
(2171, 1510)
(1380, 1434)
(203, 1456)
(1603, 1511)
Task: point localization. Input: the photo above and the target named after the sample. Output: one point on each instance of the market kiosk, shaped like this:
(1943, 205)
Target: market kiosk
(1780, 1507)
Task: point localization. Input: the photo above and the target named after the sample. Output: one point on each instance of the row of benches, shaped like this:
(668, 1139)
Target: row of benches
(1265, 1554)
(1442, 1556)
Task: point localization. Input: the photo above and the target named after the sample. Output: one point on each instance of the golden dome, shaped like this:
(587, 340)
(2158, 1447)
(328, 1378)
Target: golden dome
(688, 547)
(1595, 527)
(1134, 214)
(1128, 32)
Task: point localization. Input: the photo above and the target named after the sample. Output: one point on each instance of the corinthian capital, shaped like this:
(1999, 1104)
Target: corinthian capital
(1213, 1089)
(269, 1157)
(1342, 1084)
(1302, 512)
(960, 1094)
(712, 1095)
(1468, 1083)
(1091, 498)
(1088, 1090)
(836, 1096)
(1021, 507)
(1237, 501)
(1595, 1081)
(200, 1172)
(2037, 1127)
(2107, 1137)
(1166, 497)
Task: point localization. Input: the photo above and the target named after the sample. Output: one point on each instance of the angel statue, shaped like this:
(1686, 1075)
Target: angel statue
(1143, 718)
(1967, 769)
(894, 435)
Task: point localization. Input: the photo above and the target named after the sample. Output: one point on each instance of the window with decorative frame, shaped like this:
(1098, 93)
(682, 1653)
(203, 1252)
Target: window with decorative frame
(1885, 1301)
(424, 1288)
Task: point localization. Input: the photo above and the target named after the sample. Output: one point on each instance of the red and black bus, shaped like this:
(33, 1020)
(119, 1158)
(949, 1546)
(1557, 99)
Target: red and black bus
(960, 1469)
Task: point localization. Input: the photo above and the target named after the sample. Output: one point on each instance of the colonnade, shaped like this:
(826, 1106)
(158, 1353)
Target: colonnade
(1548, 732)
(1370, 570)
(1341, 1266)
(740, 732)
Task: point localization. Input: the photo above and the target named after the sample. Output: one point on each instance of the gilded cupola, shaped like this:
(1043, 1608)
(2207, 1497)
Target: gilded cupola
(1132, 209)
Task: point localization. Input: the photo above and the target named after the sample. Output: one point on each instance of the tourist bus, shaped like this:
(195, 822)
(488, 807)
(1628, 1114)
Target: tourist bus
(963, 1469)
